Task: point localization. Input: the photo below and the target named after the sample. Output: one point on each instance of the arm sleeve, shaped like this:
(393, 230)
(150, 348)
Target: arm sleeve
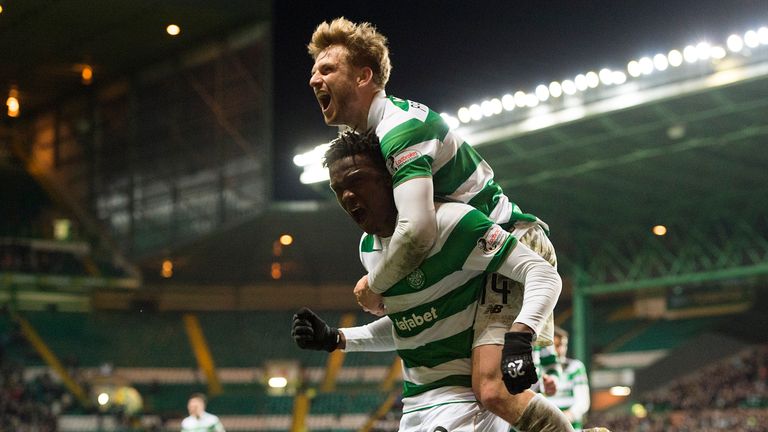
(376, 336)
(414, 234)
(581, 400)
(541, 281)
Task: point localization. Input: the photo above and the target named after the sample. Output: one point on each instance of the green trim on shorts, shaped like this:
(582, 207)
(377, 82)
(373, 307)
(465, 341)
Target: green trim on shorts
(437, 405)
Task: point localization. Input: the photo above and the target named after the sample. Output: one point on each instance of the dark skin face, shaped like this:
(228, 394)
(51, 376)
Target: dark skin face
(364, 191)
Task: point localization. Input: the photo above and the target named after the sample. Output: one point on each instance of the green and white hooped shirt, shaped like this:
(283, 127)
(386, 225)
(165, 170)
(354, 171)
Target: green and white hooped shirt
(433, 309)
(416, 142)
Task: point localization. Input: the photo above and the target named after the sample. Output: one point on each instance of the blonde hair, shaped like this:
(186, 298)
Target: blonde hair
(365, 46)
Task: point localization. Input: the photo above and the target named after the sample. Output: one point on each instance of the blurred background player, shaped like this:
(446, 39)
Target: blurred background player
(572, 395)
(199, 420)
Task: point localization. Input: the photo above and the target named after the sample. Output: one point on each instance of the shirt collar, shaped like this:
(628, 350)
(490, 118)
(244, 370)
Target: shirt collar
(376, 111)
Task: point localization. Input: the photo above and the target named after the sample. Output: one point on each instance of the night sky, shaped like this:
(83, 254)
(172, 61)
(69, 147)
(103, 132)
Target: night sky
(448, 54)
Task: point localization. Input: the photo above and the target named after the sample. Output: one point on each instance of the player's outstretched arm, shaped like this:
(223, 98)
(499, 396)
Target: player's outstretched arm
(309, 331)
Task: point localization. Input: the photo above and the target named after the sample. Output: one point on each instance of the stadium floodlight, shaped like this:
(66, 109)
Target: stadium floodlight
(606, 76)
(717, 52)
(555, 89)
(102, 399)
(751, 39)
(660, 62)
(618, 77)
(762, 35)
(508, 102)
(487, 108)
(531, 100)
(542, 92)
(497, 106)
(520, 99)
(703, 50)
(450, 120)
(735, 43)
(569, 87)
(675, 58)
(634, 68)
(311, 157)
(581, 82)
(690, 55)
(646, 66)
(464, 115)
(475, 111)
(593, 79)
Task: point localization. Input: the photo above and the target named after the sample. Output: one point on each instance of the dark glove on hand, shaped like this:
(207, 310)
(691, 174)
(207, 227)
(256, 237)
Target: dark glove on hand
(311, 332)
(517, 369)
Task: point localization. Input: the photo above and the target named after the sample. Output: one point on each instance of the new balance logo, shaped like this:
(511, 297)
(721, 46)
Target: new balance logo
(494, 308)
(415, 321)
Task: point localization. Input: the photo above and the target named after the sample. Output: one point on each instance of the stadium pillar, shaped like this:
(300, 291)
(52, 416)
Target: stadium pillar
(580, 336)
(300, 412)
(50, 358)
(202, 353)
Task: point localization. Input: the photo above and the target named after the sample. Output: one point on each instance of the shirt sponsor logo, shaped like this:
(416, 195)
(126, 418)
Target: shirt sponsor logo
(415, 321)
(492, 240)
(416, 279)
(397, 161)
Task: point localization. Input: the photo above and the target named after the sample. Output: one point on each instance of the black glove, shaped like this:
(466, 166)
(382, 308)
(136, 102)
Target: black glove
(517, 369)
(311, 332)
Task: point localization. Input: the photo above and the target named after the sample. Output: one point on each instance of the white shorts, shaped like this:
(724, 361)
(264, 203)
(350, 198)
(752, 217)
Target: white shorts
(502, 298)
(453, 417)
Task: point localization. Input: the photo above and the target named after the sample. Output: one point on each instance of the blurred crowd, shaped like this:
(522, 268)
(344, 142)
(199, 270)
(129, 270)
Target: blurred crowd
(23, 258)
(27, 405)
(731, 395)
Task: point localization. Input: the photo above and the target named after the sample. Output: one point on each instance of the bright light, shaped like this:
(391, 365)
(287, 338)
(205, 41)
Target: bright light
(634, 68)
(717, 52)
(286, 239)
(166, 270)
(690, 55)
(314, 174)
(464, 115)
(762, 35)
(450, 120)
(173, 29)
(593, 79)
(542, 92)
(569, 87)
(555, 89)
(475, 112)
(87, 75)
(487, 108)
(702, 51)
(508, 102)
(276, 271)
(660, 62)
(1, 8)
(520, 99)
(646, 66)
(277, 382)
(13, 106)
(619, 77)
(620, 391)
(751, 39)
(675, 58)
(735, 43)
(659, 230)
(581, 82)
(606, 77)
(103, 399)
(497, 106)
(639, 411)
(312, 157)
(531, 100)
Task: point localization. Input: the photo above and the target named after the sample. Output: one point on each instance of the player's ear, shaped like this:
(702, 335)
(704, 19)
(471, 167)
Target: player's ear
(364, 76)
